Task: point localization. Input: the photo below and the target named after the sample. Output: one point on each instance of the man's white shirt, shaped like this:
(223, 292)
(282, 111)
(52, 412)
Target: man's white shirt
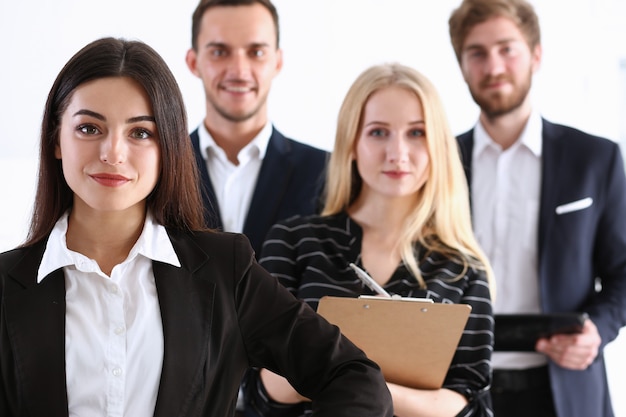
(234, 184)
(506, 192)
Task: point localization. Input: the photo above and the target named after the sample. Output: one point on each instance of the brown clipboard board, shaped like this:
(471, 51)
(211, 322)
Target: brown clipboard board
(413, 342)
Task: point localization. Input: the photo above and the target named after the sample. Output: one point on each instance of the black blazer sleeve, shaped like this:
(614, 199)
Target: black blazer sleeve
(251, 320)
(286, 336)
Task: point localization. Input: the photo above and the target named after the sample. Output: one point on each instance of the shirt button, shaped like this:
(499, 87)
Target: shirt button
(119, 330)
(117, 371)
(113, 289)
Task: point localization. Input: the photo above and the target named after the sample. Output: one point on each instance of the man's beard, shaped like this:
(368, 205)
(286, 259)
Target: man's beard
(494, 105)
(237, 117)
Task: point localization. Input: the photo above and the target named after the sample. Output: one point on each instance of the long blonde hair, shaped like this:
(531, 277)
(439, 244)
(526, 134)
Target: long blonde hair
(441, 220)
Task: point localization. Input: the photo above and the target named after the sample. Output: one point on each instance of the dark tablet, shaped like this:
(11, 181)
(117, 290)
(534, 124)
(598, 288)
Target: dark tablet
(519, 332)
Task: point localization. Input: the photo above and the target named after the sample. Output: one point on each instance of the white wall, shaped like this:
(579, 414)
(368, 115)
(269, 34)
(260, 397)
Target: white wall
(326, 44)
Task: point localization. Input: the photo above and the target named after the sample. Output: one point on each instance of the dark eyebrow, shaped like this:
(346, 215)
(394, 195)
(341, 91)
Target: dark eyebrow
(216, 45)
(225, 46)
(259, 45)
(101, 117)
(90, 113)
(141, 119)
(481, 47)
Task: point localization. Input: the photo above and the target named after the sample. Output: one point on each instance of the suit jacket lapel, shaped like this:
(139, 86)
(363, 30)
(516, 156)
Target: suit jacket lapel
(466, 147)
(551, 157)
(186, 302)
(35, 316)
(270, 189)
(213, 216)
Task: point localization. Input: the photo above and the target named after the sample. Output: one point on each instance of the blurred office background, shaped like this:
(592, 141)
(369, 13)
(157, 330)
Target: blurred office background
(326, 43)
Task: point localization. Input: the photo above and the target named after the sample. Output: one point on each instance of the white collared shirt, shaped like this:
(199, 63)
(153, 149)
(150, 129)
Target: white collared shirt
(506, 190)
(234, 184)
(113, 330)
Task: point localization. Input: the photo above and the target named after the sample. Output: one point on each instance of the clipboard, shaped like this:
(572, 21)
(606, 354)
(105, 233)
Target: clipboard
(519, 332)
(412, 342)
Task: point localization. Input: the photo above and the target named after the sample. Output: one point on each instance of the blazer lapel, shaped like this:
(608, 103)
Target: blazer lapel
(213, 216)
(35, 317)
(466, 147)
(186, 302)
(270, 189)
(551, 159)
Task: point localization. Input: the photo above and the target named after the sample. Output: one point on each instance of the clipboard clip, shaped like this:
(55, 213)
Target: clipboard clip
(396, 297)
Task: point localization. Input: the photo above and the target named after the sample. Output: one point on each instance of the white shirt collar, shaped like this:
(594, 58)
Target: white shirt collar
(153, 243)
(258, 144)
(531, 136)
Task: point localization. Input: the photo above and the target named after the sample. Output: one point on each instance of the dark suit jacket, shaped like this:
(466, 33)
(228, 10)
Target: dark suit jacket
(290, 182)
(221, 313)
(578, 246)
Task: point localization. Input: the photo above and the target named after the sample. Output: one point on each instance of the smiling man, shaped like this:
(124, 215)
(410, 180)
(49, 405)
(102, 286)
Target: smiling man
(252, 175)
(548, 204)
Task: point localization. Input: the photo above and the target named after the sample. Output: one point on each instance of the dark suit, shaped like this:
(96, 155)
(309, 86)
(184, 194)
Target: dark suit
(221, 313)
(290, 182)
(576, 247)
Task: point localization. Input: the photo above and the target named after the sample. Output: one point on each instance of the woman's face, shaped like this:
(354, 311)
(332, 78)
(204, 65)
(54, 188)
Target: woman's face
(109, 145)
(392, 152)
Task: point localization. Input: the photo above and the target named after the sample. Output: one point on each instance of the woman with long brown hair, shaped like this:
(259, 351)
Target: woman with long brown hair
(120, 302)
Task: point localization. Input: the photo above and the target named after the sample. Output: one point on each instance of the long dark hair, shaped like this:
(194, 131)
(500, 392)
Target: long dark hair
(175, 202)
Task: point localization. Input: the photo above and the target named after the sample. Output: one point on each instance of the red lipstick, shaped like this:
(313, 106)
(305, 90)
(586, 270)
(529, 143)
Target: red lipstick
(110, 180)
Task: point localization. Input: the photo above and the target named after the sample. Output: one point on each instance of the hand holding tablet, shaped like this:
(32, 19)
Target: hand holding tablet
(520, 332)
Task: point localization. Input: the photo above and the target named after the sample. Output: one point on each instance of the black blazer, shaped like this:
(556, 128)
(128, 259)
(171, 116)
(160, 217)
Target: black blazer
(290, 182)
(577, 246)
(221, 314)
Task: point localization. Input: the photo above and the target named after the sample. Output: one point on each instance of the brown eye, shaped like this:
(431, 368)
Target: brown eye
(218, 52)
(88, 130)
(141, 134)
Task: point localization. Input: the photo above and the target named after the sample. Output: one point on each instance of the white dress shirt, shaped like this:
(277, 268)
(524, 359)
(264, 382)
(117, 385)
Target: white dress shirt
(234, 184)
(113, 330)
(506, 187)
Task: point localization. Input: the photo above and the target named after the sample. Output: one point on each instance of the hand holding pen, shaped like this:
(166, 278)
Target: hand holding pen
(369, 281)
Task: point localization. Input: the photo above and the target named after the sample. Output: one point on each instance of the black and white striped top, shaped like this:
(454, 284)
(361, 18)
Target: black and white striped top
(310, 256)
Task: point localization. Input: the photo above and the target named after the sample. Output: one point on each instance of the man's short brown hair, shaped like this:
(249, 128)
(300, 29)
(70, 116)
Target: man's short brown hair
(205, 5)
(472, 12)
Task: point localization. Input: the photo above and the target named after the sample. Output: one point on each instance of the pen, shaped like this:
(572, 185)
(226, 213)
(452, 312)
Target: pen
(369, 281)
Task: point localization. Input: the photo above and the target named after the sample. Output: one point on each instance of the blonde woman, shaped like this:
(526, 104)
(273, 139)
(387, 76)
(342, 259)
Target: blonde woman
(396, 205)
